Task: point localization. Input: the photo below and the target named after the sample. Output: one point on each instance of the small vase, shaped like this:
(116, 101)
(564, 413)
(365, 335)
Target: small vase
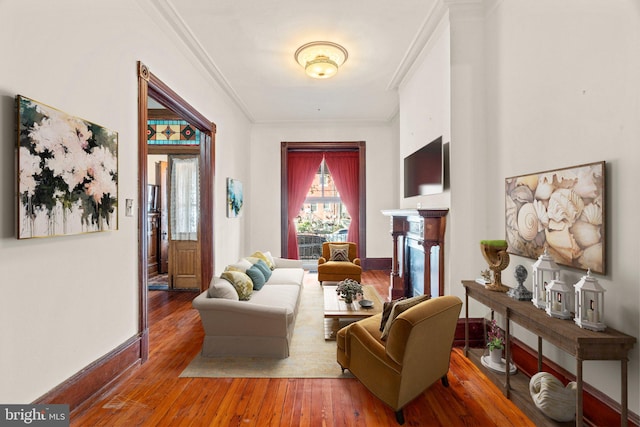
(496, 355)
(348, 299)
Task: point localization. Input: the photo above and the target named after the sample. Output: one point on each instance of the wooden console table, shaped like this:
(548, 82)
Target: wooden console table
(583, 344)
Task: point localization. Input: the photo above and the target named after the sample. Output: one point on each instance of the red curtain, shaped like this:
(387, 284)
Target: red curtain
(345, 170)
(301, 168)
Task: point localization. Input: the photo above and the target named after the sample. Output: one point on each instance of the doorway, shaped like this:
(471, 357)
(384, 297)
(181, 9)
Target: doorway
(173, 211)
(151, 87)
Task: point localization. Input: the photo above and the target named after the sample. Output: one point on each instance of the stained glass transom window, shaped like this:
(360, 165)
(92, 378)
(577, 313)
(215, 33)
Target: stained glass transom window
(166, 132)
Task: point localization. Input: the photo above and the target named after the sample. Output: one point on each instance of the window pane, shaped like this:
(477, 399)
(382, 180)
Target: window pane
(322, 217)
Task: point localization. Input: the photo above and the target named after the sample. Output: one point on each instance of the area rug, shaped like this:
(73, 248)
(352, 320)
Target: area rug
(310, 355)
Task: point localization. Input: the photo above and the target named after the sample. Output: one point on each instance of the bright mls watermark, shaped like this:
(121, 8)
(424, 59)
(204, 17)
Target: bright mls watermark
(34, 415)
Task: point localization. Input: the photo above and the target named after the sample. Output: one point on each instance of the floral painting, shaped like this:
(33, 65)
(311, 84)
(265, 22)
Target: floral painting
(67, 173)
(234, 198)
(563, 210)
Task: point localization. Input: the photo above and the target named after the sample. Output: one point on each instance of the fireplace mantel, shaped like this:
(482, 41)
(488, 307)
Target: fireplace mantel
(416, 233)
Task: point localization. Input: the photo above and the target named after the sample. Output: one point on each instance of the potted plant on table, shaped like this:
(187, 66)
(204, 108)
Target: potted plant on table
(349, 289)
(495, 342)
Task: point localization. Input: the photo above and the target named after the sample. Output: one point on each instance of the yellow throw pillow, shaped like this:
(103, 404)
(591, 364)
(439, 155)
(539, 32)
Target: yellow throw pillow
(241, 282)
(263, 257)
(399, 308)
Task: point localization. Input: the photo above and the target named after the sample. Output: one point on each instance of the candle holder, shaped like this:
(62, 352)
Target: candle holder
(589, 303)
(558, 295)
(544, 271)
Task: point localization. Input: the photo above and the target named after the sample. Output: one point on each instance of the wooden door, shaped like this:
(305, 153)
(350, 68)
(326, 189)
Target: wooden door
(184, 225)
(163, 229)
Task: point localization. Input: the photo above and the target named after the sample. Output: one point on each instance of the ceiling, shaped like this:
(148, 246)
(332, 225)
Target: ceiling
(248, 47)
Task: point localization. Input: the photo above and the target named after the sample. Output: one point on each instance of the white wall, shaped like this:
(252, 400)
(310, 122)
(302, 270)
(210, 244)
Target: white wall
(536, 85)
(263, 232)
(67, 301)
(425, 109)
(563, 90)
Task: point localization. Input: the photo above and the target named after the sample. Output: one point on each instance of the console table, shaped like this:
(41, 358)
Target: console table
(583, 344)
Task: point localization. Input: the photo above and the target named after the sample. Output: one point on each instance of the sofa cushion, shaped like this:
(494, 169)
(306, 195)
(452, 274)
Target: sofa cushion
(339, 268)
(338, 252)
(282, 296)
(286, 276)
(221, 288)
(398, 308)
(256, 276)
(241, 282)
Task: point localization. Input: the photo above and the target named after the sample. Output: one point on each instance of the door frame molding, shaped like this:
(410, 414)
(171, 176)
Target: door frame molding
(150, 85)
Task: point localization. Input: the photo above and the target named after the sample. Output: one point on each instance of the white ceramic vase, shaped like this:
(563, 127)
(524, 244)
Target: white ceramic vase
(496, 355)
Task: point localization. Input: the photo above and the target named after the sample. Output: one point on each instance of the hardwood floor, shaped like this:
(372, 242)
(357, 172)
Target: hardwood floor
(154, 395)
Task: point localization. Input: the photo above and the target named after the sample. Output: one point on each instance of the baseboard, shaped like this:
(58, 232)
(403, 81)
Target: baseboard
(376, 264)
(98, 376)
(476, 333)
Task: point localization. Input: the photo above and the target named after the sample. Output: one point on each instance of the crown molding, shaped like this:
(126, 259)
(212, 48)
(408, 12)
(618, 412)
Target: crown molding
(418, 44)
(168, 13)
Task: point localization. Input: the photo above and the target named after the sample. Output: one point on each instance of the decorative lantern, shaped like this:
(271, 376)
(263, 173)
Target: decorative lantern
(558, 297)
(589, 303)
(544, 271)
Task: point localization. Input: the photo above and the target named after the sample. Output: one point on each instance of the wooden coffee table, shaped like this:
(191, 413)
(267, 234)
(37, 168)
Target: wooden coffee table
(335, 309)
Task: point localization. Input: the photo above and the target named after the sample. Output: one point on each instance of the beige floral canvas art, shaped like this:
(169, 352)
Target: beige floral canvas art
(67, 173)
(563, 209)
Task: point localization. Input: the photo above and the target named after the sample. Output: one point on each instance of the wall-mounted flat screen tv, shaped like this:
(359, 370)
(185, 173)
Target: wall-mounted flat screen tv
(424, 170)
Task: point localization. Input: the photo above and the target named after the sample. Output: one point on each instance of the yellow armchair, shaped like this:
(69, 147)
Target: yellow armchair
(332, 270)
(415, 354)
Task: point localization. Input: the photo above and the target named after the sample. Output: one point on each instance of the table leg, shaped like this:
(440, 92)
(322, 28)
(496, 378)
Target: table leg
(335, 325)
(624, 419)
(466, 323)
(507, 356)
(579, 421)
(539, 354)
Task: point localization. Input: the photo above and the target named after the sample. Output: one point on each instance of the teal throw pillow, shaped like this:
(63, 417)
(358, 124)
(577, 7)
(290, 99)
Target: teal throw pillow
(256, 277)
(264, 268)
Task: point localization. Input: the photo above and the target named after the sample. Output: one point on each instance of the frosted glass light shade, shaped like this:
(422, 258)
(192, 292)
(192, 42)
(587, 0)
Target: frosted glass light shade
(321, 60)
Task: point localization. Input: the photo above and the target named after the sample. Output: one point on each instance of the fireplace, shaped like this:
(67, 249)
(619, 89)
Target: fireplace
(418, 252)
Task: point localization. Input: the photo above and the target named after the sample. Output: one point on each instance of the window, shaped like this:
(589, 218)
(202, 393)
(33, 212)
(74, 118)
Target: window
(323, 216)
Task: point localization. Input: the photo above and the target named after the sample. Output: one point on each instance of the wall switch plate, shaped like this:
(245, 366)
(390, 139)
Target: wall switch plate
(128, 210)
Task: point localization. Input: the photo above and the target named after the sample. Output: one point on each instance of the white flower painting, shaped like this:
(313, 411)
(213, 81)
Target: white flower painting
(562, 209)
(67, 173)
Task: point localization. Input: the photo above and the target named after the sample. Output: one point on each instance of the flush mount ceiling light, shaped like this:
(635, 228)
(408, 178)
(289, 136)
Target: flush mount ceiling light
(321, 60)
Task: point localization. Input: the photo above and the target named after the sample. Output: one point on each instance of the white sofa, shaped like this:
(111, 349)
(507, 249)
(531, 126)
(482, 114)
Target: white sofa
(259, 327)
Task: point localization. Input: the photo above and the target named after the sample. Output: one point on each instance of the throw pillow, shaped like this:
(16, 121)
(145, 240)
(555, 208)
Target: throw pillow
(272, 261)
(256, 276)
(338, 252)
(240, 265)
(399, 308)
(241, 282)
(221, 288)
(264, 268)
(251, 259)
(386, 311)
(264, 257)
